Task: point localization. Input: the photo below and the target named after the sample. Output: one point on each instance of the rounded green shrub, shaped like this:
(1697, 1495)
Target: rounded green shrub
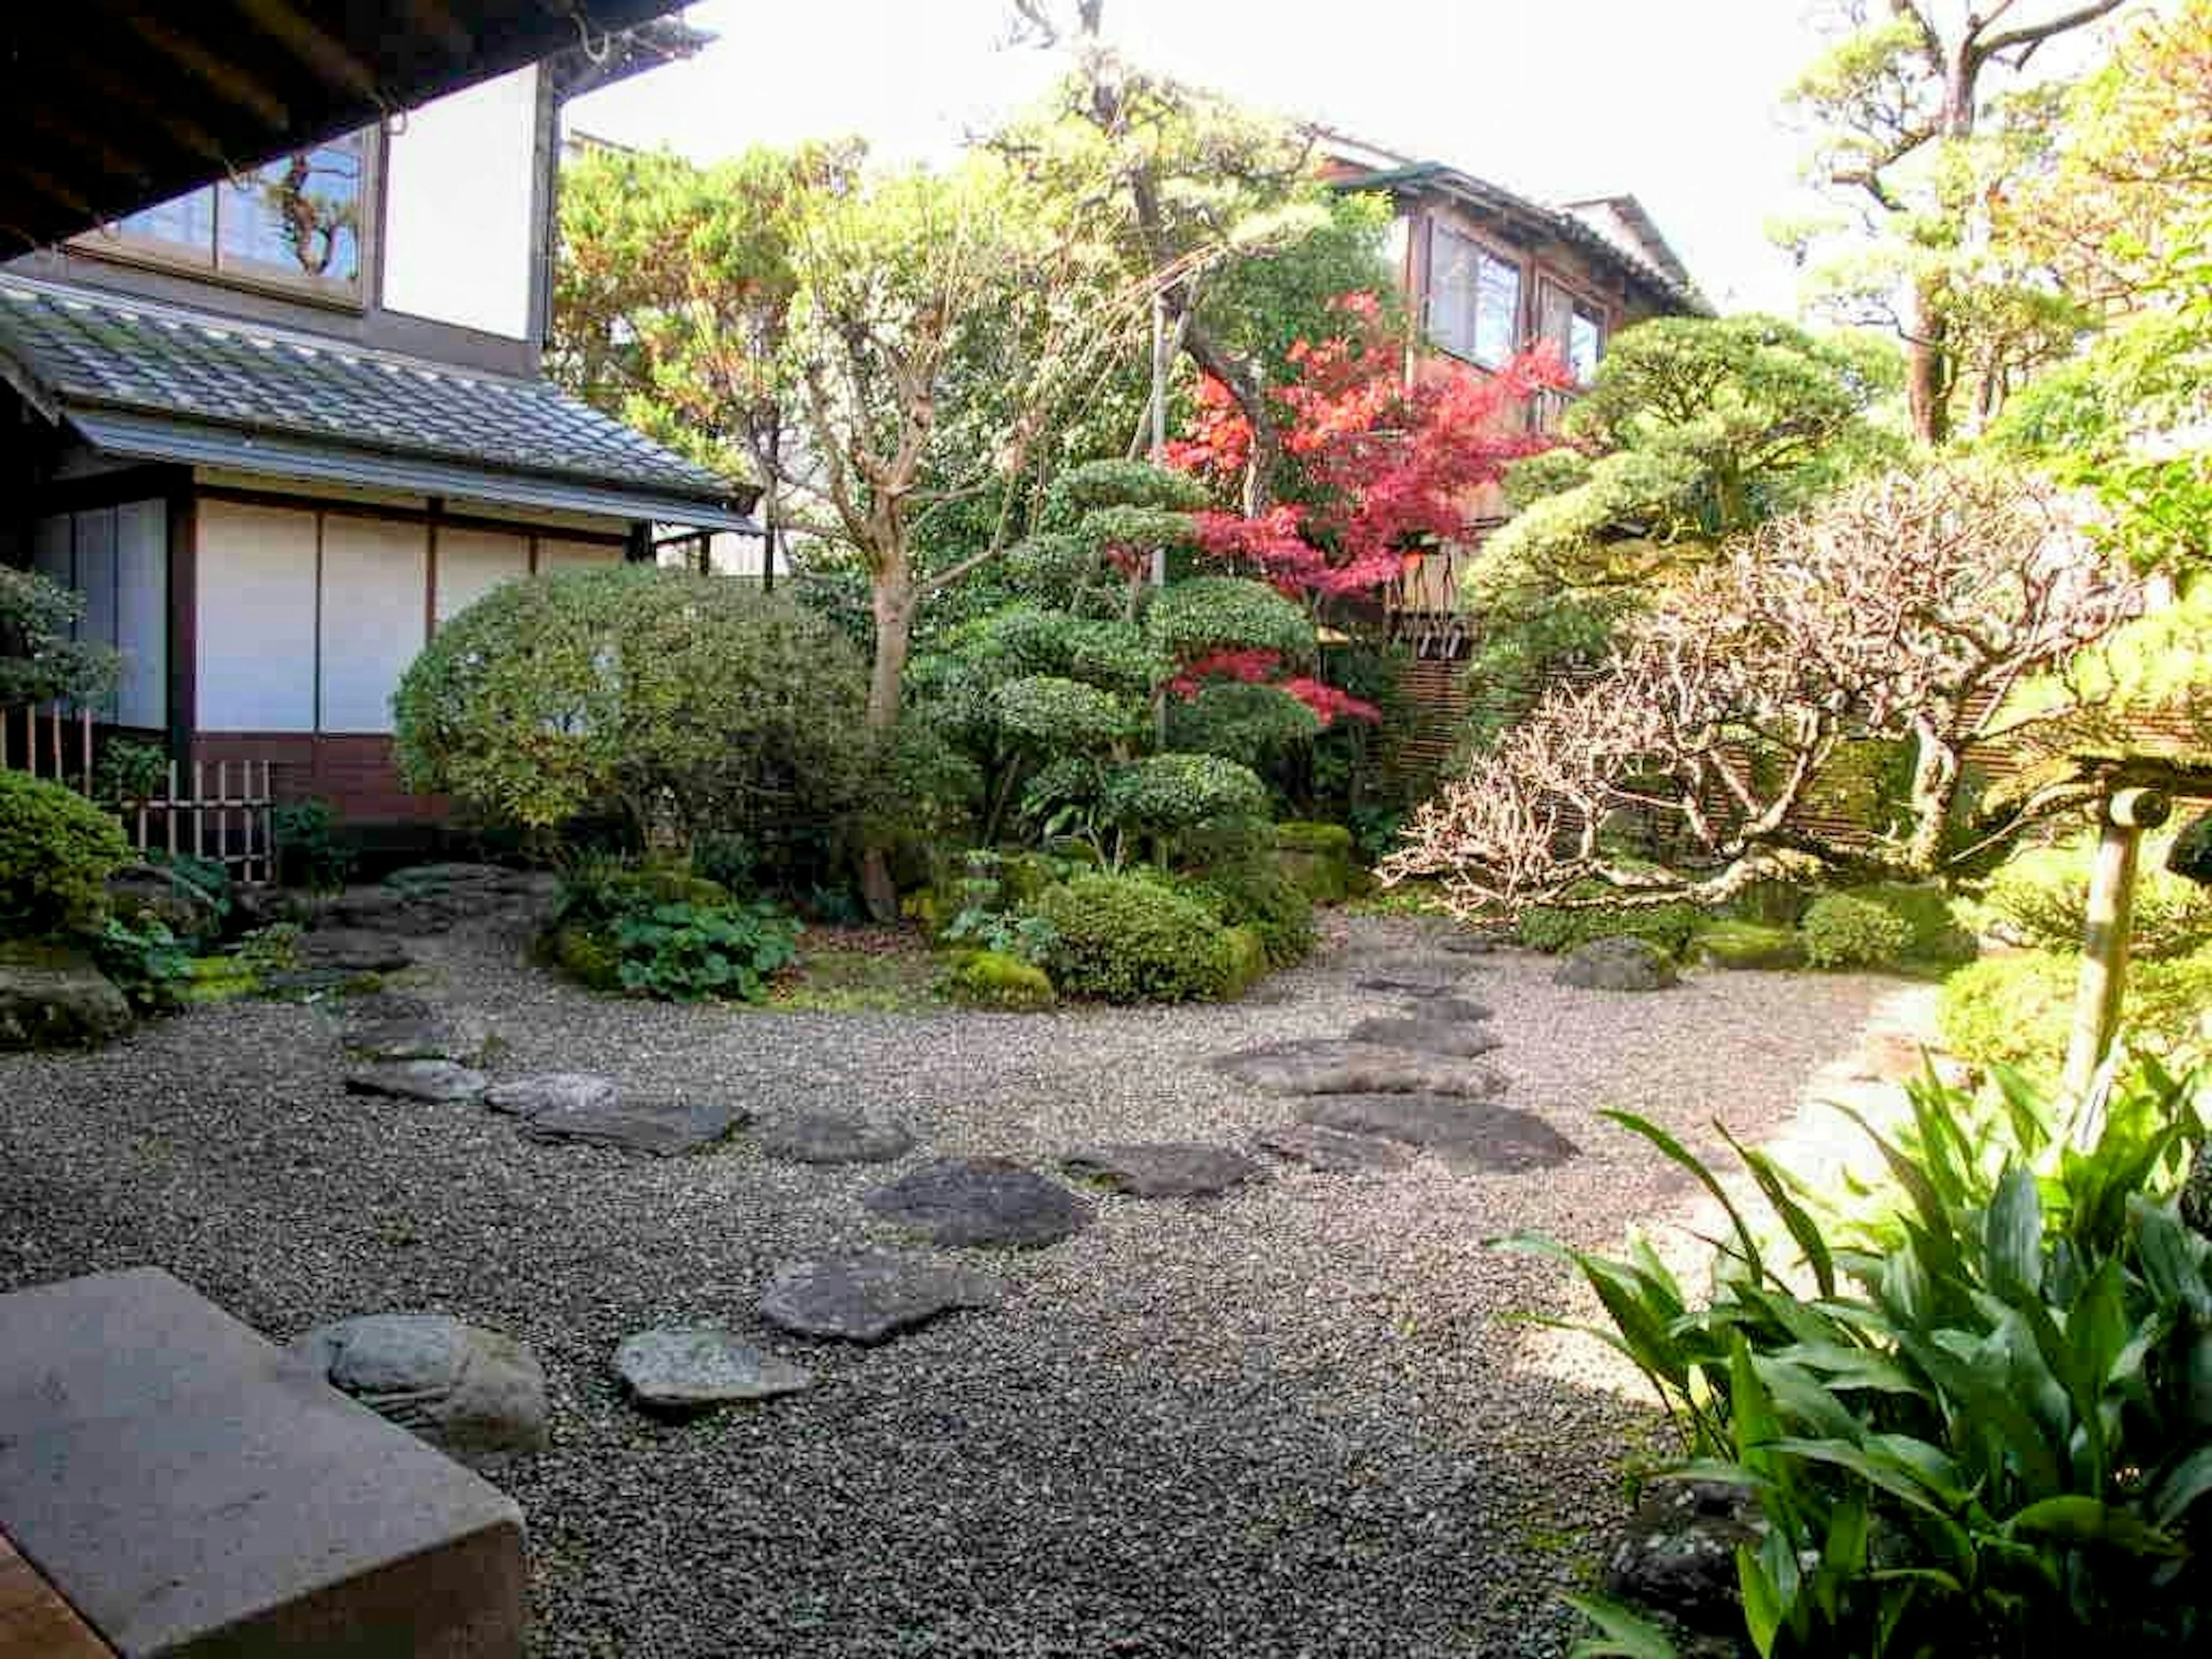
(1840, 931)
(1123, 938)
(1062, 716)
(1732, 943)
(1226, 613)
(1248, 723)
(56, 852)
(1163, 794)
(2040, 897)
(990, 979)
(637, 690)
(1258, 895)
(1319, 858)
(1555, 928)
(2018, 1010)
(1937, 935)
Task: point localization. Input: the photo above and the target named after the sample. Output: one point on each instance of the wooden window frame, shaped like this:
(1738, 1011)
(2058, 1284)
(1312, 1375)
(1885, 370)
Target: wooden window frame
(1484, 249)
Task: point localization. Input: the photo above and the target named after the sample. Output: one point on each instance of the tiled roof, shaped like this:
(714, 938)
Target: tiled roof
(85, 350)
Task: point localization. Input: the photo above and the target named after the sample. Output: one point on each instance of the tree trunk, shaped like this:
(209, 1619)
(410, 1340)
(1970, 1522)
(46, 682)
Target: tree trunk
(1928, 370)
(1934, 790)
(894, 601)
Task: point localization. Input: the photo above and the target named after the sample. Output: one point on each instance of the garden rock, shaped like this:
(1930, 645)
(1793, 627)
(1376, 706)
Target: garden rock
(1414, 978)
(684, 1369)
(1471, 944)
(834, 1137)
(1457, 1039)
(1335, 1152)
(981, 1200)
(1677, 1553)
(1329, 1066)
(871, 1297)
(1617, 964)
(350, 950)
(454, 1385)
(1468, 1135)
(140, 891)
(392, 1029)
(662, 1128)
(552, 1091)
(1186, 1168)
(64, 1003)
(434, 1081)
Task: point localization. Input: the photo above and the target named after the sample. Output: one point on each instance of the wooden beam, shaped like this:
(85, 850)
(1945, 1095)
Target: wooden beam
(314, 49)
(226, 80)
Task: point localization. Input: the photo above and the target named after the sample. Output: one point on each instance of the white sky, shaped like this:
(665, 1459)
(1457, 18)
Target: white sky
(1674, 101)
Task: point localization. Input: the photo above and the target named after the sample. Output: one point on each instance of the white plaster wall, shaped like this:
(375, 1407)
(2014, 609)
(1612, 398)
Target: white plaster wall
(461, 176)
(471, 562)
(553, 554)
(256, 621)
(375, 586)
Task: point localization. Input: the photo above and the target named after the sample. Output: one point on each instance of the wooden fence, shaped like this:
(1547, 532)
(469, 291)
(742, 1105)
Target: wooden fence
(234, 824)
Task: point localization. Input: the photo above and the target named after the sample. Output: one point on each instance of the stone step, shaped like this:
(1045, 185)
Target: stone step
(191, 1489)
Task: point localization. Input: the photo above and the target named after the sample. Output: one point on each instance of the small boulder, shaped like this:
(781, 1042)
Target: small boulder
(1676, 1555)
(140, 892)
(1331, 1066)
(834, 1137)
(434, 1081)
(377, 1029)
(1457, 1039)
(1618, 963)
(1335, 1152)
(981, 1200)
(1184, 1169)
(1468, 1135)
(662, 1128)
(457, 1386)
(681, 1370)
(353, 951)
(66, 1003)
(871, 1297)
(552, 1091)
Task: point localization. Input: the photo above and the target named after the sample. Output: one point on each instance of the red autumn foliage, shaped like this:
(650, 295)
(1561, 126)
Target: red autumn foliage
(1383, 466)
(1328, 703)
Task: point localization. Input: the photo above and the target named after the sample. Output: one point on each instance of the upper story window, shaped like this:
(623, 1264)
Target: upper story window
(1576, 326)
(296, 223)
(1474, 298)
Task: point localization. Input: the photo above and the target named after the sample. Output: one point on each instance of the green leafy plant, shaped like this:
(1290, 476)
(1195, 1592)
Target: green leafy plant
(994, 978)
(1255, 892)
(1166, 794)
(1842, 932)
(1555, 928)
(56, 852)
(1938, 936)
(1022, 936)
(1979, 1424)
(129, 771)
(684, 952)
(1125, 938)
(2040, 897)
(147, 962)
(309, 851)
(2018, 1011)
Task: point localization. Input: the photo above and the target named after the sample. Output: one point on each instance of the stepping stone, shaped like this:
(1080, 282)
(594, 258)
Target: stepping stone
(553, 1091)
(829, 1137)
(454, 1385)
(1332, 1066)
(1187, 1168)
(1457, 1039)
(684, 1369)
(1415, 978)
(1468, 1135)
(1335, 1152)
(871, 1297)
(1471, 944)
(1617, 964)
(1450, 1008)
(981, 1200)
(391, 1030)
(662, 1128)
(436, 1081)
(353, 951)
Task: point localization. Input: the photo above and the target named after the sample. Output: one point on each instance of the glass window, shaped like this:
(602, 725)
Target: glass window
(1474, 298)
(1574, 326)
(296, 221)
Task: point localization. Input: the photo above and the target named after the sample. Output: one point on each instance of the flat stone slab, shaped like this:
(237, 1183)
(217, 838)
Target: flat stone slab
(1472, 944)
(1455, 1039)
(1468, 1135)
(1335, 1152)
(384, 1027)
(871, 1297)
(664, 1128)
(552, 1091)
(191, 1489)
(1176, 1168)
(457, 1386)
(1415, 977)
(434, 1081)
(683, 1369)
(353, 951)
(1333, 1065)
(1617, 964)
(833, 1137)
(981, 1200)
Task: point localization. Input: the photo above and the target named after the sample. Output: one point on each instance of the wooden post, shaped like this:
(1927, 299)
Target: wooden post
(2128, 813)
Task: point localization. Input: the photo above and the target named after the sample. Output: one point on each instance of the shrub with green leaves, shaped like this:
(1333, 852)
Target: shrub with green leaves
(146, 962)
(1842, 931)
(1061, 716)
(310, 849)
(638, 691)
(991, 979)
(1937, 935)
(1555, 927)
(684, 952)
(1255, 893)
(1981, 1427)
(1166, 794)
(2040, 897)
(1226, 613)
(2018, 1010)
(56, 852)
(1127, 938)
(1251, 725)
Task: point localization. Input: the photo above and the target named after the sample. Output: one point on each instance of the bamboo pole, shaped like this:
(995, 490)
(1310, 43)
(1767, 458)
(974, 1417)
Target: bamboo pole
(2105, 933)
(84, 747)
(169, 811)
(200, 809)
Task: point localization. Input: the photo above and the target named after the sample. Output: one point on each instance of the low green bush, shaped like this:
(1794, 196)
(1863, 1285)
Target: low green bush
(1249, 962)
(1555, 928)
(2018, 1010)
(56, 852)
(682, 952)
(1937, 935)
(2040, 897)
(1126, 939)
(1840, 931)
(1255, 893)
(1319, 857)
(1729, 944)
(310, 851)
(989, 979)
(147, 962)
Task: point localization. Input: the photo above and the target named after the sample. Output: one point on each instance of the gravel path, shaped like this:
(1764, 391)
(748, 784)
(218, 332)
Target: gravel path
(1286, 1421)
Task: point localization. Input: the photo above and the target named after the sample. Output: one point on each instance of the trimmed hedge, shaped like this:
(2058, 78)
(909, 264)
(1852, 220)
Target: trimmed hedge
(1124, 938)
(1552, 928)
(56, 852)
(2040, 897)
(990, 979)
(1841, 931)
(1935, 933)
(1251, 893)
(1747, 944)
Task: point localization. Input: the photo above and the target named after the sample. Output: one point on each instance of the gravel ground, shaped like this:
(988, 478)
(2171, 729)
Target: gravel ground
(1288, 1421)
